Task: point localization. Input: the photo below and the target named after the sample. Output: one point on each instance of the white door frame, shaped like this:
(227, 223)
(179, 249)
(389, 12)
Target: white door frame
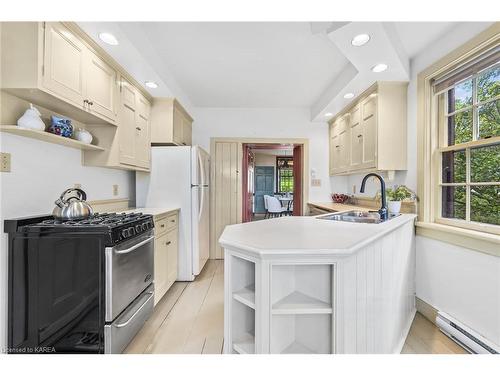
(215, 250)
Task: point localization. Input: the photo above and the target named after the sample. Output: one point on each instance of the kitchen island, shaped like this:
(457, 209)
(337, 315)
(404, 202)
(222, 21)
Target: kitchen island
(306, 285)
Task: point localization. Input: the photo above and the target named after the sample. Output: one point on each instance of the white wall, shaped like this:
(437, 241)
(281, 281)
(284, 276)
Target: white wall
(268, 123)
(40, 171)
(461, 282)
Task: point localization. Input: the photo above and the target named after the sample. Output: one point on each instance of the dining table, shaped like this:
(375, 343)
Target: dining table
(284, 200)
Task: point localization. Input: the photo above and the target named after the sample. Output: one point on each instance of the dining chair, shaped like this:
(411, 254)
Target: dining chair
(266, 197)
(274, 207)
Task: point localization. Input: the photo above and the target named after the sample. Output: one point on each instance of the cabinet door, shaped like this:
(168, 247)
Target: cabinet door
(100, 82)
(369, 127)
(172, 249)
(356, 140)
(178, 119)
(142, 143)
(127, 123)
(63, 61)
(186, 132)
(161, 267)
(344, 143)
(336, 154)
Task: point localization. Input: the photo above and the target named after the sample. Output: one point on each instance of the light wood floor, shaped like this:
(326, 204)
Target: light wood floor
(190, 319)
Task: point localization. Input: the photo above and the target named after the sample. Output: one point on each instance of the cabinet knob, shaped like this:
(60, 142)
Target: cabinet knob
(168, 243)
(85, 101)
(337, 146)
(172, 221)
(360, 135)
(138, 128)
(163, 225)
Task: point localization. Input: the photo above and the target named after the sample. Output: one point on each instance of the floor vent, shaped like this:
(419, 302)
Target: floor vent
(464, 336)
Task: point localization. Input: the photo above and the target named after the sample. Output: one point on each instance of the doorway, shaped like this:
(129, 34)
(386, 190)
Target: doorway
(232, 180)
(271, 181)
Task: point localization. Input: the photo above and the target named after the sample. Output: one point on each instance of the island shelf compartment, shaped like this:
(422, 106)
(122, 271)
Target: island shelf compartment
(242, 305)
(301, 334)
(302, 289)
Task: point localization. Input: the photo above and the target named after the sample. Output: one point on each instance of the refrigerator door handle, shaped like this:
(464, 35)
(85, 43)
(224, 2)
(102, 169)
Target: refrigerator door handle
(201, 170)
(201, 202)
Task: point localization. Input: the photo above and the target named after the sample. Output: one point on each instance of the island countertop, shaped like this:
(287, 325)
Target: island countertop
(303, 235)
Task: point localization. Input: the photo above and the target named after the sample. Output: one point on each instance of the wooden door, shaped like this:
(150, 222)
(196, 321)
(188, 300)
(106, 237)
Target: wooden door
(172, 249)
(264, 185)
(178, 127)
(127, 123)
(63, 63)
(226, 191)
(369, 126)
(161, 266)
(101, 89)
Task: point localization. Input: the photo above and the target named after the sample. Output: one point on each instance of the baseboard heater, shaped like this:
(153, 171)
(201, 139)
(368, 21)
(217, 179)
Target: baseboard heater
(464, 336)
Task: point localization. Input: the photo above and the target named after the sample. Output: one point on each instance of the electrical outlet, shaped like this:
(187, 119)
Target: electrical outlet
(115, 189)
(354, 189)
(77, 186)
(315, 182)
(5, 162)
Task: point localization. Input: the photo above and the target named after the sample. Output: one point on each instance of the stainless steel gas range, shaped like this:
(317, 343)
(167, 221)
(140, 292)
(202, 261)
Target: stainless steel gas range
(79, 286)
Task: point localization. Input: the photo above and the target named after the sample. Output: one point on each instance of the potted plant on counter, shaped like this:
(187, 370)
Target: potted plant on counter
(396, 195)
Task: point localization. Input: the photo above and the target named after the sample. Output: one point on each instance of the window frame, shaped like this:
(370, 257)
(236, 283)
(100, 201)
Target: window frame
(443, 124)
(278, 176)
(472, 235)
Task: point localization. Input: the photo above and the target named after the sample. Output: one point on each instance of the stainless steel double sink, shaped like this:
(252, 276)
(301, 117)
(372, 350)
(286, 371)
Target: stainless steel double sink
(357, 217)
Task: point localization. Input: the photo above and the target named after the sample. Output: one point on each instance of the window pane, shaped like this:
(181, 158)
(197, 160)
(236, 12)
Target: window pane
(489, 119)
(460, 128)
(485, 164)
(454, 166)
(488, 84)
(454, 201)
(485, 204)
(460, 96)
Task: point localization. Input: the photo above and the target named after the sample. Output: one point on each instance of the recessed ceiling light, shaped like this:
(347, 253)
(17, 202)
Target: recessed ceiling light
(349, 95)
(151, 84)
(108, 38)
(360, 40)
(379, 68)
(328, 114)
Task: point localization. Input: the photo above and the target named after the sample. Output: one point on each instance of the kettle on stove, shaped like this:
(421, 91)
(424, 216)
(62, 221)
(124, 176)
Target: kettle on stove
(71, 205)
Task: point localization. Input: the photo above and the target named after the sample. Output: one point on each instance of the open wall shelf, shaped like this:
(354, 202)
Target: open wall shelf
(49, 137)
(300, 303)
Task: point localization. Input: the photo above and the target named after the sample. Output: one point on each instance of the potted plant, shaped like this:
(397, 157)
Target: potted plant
(396, 195)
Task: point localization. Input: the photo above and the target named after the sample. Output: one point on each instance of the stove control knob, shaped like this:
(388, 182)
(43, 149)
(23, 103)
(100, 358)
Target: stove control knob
(138, 228)
(131, 231)
(124, 233)
(144, 226)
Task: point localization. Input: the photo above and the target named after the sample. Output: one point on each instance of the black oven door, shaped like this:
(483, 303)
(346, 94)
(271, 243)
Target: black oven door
(56, 294)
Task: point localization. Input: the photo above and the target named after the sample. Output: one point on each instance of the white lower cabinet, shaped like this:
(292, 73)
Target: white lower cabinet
(165, 254)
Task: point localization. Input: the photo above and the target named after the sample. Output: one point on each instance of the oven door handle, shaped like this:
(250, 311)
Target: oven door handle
(136, 246)
(121, 325)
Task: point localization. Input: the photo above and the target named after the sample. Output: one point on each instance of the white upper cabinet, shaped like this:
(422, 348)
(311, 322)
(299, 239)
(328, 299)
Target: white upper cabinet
(100, 86)
(370, 134)
(50, 65)
(64, 63)
(170, 123)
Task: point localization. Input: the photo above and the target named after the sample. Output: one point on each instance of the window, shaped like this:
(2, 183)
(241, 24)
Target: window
(284, 171)
(469, 145)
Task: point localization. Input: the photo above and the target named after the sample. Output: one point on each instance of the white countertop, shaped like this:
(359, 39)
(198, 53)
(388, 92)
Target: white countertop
(155, 211)
(305, 235)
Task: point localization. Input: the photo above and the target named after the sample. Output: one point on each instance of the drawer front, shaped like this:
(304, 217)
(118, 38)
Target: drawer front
(172, 221)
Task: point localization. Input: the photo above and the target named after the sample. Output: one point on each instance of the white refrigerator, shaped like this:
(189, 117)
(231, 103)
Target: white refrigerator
(179, 178)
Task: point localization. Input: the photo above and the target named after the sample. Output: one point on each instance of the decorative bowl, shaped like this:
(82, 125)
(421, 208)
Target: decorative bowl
(339, 198)
(61, 126)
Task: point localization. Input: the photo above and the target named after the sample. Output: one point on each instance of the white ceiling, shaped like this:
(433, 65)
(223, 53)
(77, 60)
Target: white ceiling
(247, 64)
(257, 64)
